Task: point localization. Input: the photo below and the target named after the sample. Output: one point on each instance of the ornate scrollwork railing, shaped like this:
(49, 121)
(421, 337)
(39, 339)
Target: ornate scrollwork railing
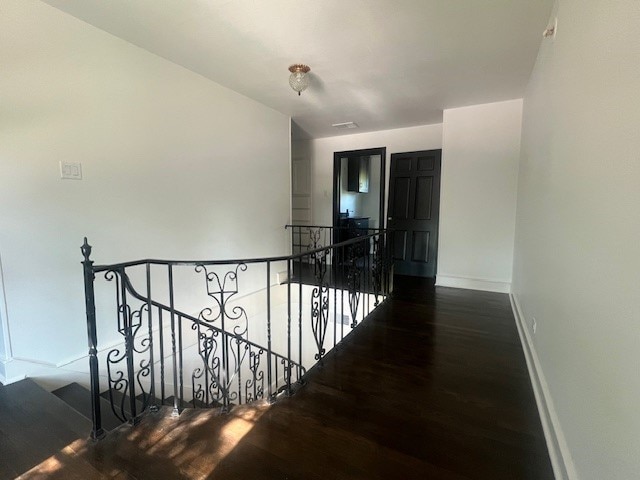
(226, 353)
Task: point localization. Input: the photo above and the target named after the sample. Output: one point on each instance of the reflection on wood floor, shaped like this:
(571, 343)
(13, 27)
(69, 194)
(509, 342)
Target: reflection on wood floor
(432, 385)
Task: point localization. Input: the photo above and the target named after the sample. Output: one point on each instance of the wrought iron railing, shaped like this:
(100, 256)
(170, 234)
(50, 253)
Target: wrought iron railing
(180, 345)
(309, 237)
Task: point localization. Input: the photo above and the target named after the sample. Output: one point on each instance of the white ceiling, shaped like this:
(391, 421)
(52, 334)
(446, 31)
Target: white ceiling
(380, 63)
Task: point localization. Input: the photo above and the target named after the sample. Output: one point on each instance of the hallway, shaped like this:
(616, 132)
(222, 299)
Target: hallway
(433, 384)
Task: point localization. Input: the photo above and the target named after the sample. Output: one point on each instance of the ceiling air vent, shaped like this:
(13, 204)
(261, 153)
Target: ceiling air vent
(345, 125)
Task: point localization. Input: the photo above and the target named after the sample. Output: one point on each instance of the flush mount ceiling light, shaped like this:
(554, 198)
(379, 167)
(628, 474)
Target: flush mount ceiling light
(345, 125)
(299, 80)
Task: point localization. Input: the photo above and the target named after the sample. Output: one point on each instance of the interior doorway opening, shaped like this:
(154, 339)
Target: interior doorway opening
(358, 191)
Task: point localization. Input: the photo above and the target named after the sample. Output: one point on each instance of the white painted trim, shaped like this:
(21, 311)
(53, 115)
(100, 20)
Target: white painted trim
(8, 376)
(473, 283)
(561, 460)
(4, 318)
(10, 380)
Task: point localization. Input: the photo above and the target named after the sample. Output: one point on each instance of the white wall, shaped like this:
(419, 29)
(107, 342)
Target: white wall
(426, 137)
(174, 166)
(481, 146)
(480, 153)
(3, 348)
(4, 326)
(577, 253)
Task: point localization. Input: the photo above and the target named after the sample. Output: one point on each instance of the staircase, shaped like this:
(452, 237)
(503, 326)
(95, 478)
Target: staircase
(222, 345)
(238, 347)
(168, 357)
(35, 424)
(79, 398)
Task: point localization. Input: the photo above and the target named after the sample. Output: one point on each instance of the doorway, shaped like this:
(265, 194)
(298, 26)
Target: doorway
(413, 211)
(358, 191)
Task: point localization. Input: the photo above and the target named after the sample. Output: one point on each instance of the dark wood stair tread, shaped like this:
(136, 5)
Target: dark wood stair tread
(79, 398)
(34, 425)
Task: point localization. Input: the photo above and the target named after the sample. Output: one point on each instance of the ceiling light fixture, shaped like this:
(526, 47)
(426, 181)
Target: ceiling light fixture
(345, 125)
(299, 80)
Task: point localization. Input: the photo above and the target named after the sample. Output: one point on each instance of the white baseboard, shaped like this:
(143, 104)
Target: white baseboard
(6, 380)
(10, 374)
(472, 283)
(561, 460)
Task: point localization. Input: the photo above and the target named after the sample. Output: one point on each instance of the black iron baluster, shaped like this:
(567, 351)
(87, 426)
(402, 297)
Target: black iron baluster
(332, 280)
(161, 339)
(365, 309)
(320, 304)
(376, 273)
(238, 369)
(152, 390)
(353, 284)
(384, 247)
(384, 269)
(369, 274)
(325, 240)
(293, 239)
(342, 257)
(363, 278)
(174, 357)
(363, 286)
(209, 374)
(225, 382)
(90, 305)
(128, 346)
(180, 363)
(384, 274)
(299, 320)
(257, 392)
(269, 380)
(208, 397)
(288, 366)
(381, 267)
(390, 260)
(116, 377)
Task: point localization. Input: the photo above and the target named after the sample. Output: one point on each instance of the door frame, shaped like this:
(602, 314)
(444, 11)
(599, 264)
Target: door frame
(382, 151)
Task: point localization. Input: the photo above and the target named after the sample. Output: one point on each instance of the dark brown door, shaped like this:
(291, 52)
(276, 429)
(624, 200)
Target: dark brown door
(414, 207)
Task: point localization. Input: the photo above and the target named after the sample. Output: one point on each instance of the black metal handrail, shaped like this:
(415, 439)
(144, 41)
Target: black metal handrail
(318, 236)
(225, 366)
(282, 258)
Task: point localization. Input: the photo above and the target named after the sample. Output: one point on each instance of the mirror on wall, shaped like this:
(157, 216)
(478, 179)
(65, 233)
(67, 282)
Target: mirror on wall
(358, 199)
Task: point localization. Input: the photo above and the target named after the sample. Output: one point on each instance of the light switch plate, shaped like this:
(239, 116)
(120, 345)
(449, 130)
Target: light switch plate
(71, 170)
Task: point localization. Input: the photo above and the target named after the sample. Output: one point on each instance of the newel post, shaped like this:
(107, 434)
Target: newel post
(90, 302)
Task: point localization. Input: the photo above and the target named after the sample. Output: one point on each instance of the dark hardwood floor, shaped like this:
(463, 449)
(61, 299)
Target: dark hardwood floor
(432, 385)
